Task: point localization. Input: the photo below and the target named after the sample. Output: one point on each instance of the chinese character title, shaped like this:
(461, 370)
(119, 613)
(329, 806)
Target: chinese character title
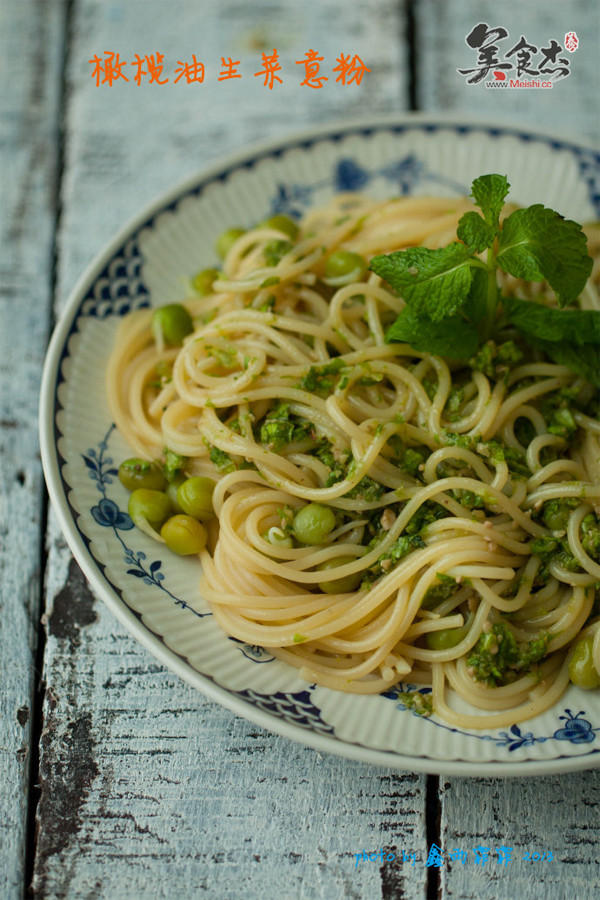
(109, 69)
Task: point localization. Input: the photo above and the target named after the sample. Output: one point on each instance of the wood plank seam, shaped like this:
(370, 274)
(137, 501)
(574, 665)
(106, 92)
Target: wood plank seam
(410, 39)
(39, 689)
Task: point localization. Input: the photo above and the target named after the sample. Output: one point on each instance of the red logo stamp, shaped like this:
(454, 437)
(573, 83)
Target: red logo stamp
(571, 41)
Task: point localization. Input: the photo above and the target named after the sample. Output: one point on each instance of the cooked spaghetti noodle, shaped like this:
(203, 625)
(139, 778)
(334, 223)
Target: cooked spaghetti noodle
(440, 475)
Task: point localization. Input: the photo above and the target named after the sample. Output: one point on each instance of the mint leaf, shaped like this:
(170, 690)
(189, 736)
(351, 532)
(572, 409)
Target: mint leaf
(582, 359)
(571, 337)
(489, 193)
(476, 306)
(436, 282)
(475, 232)
(537, 243)
(453, 337)
(576, 326)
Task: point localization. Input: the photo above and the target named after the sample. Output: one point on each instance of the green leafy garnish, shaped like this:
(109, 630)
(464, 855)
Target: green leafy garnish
(435, 282)
(497, 453)
(173, 464)
(427, 513)
(557, 512)
(537, 244)
(337, 463)
(571, 337)
(406, 458)
(316, 380)
(401, 547)
(453, 301)
(553, 550)
(436, 594)
(583, 360)
(590, 530)
(420, 704)
(498, 659)
(576, 326)
(278, 429)
(557, 410)
(489, 193)
(367, 489)
(451, 337)
(495, 361)
(164, 374)
(222, 460)
(475, 232)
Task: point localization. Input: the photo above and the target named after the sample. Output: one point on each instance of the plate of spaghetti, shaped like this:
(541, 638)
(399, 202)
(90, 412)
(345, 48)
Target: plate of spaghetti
(321, 428)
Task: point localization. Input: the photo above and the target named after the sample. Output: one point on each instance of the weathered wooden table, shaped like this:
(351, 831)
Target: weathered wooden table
(118, 780)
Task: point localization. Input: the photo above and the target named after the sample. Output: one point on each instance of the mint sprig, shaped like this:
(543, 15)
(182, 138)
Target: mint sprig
(571, 337)
(436, 282)
(453, 301)
(475, 232)
(537, 244)
(489, 193)
(574, 326)
(453, 336)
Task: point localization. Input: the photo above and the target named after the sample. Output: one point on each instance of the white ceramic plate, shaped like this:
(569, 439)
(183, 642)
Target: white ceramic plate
(155, 594)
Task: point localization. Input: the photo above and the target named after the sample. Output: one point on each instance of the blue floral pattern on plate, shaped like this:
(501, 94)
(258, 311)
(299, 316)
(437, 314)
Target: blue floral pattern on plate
(297, 708)
(119, 288)
(576, 730)
(107, 513)
(349, 175)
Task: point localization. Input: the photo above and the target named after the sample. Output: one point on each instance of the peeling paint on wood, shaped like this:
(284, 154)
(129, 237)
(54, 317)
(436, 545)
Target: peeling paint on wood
(72, 608)
(180, 793)
(66, 774)
(30, 63)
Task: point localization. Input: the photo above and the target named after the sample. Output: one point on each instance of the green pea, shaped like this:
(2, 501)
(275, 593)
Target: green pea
(446, 638)
(139, 473)
(184, 535)
(345, 264)
(582, 671)
(281, 223)
(194, 497)
(203, 281)
(555, 521)
(313, 522)
(172, 322)
(149, 508)
(171, 491)
(344, 585)
(227, 239)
